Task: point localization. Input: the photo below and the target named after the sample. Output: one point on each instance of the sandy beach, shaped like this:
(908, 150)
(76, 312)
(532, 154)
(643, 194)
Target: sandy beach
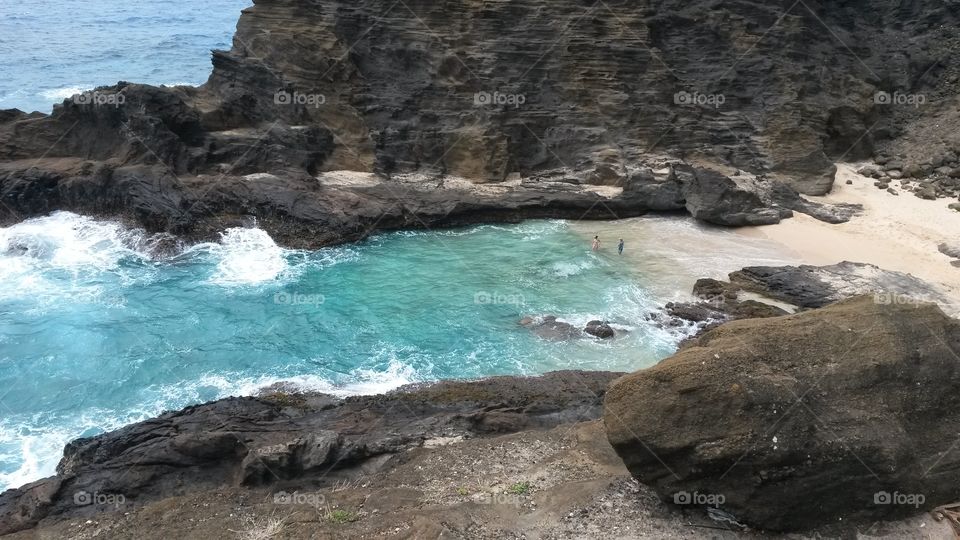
(670, 253)
(895, 232)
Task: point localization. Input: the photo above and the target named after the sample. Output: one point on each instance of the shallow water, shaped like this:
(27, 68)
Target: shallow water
(672, 252)
(53, 49)
(95, 334)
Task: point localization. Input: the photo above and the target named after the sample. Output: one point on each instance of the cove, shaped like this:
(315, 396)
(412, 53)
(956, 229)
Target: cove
(95, 333)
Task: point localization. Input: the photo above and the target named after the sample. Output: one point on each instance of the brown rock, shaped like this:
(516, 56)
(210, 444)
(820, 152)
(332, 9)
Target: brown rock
(792, 422)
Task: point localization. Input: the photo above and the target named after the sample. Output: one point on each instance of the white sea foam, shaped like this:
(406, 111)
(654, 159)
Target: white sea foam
(247, 256)
(60, 94)
(68, 244)
(362, 381)
(181, 83)
(565, 269)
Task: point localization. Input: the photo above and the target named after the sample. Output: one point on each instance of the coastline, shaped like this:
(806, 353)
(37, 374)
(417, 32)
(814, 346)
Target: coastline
(895, 232)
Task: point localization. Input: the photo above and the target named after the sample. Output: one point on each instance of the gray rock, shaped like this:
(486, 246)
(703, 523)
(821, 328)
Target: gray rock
(913, 171)
(600, 329)
(721, 200)
(950, 249)
(551, 329)
(817, 286)
(893, 165)
(927, 192)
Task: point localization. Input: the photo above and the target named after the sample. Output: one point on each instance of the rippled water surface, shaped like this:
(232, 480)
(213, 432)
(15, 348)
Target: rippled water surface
(53, 49)
(95, 333)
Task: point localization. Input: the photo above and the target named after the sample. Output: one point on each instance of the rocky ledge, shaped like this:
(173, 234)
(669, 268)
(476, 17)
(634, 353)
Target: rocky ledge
(303, 211)
(560, 109)
(285, 439)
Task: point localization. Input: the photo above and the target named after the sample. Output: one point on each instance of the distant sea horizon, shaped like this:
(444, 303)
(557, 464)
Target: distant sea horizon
(53, 49)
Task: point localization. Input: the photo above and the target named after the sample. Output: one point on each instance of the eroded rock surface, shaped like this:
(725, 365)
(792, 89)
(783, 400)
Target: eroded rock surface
(565, 96)
(846, 412)
(315, 438)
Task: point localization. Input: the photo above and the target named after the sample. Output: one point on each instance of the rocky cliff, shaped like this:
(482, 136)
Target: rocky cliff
(559, 105)
(484, 89)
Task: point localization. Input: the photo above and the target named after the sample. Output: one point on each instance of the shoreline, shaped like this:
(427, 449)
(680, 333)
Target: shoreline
(895, 232)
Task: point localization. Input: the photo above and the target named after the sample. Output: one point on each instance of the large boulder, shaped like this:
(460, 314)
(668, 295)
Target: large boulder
(722, 200)
(600, 329)
(846, 412)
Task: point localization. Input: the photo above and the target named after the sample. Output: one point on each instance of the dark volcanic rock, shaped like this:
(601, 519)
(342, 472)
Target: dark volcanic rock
(579, 97)
(848, 412)
(696, 312)
(951, 250)
(816, 286)
(600, 329)
(312, 437)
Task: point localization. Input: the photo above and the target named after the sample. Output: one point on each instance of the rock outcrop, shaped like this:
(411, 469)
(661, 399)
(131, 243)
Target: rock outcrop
(771, 291)
(843, 413)
(809, 286)
(314, 438)
(541, 103)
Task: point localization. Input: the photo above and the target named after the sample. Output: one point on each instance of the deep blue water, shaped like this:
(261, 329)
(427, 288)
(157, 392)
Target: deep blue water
(52, 49)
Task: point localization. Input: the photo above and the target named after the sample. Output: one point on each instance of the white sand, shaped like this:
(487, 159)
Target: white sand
(671, 252)
(895, 232)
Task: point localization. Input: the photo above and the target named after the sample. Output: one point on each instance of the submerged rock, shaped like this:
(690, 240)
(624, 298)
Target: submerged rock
(600, 329)
(550, 328)
(847, 412)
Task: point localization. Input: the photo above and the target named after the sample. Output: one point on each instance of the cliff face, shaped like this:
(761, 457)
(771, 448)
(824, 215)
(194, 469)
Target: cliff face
(778, 87)
(564, 109)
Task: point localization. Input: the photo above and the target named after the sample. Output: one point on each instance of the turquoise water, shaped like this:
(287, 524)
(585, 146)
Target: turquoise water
(52, 49)
(95, 333)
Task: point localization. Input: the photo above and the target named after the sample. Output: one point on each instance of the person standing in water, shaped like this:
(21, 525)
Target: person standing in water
(620, 246)
(596, 243)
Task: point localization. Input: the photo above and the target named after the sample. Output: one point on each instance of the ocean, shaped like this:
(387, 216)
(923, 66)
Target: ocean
(53, 49)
